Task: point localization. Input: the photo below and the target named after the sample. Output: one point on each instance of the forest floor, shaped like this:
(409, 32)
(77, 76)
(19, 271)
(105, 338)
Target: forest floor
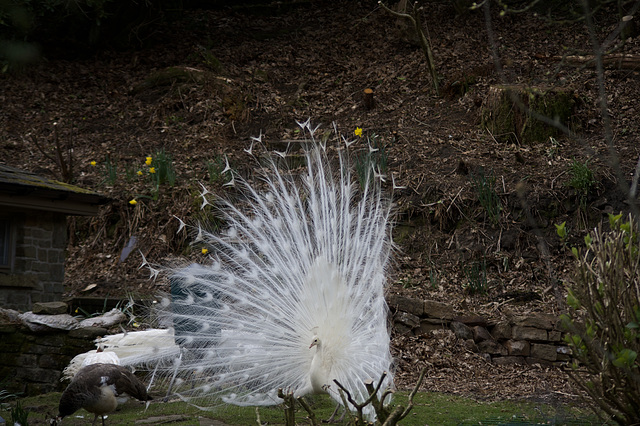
(202, 86)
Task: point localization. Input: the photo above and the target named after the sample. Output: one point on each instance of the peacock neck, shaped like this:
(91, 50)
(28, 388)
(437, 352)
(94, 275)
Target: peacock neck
(320, 370)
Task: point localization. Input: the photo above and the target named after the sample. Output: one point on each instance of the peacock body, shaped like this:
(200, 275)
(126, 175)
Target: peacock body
(293, 297)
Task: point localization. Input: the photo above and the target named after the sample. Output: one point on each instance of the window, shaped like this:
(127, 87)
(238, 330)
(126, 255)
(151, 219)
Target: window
(6, 247)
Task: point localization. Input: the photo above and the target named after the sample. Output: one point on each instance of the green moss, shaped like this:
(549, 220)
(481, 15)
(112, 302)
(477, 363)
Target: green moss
(556, 104)
(509, 123)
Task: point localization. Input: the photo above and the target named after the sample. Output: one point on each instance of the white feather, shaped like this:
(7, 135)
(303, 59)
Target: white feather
(307, 261)
(135, 348)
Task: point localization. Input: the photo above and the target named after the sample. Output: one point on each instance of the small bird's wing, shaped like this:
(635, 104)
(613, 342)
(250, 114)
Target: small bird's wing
(84, 387)
(127, 382)
(111, 374)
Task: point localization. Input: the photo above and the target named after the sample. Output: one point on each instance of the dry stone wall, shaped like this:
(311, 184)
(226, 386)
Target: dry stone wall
(33, 356)
(31, 362)
(531, 339)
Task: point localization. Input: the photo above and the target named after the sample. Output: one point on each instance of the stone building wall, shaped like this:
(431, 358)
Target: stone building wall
(38, 267)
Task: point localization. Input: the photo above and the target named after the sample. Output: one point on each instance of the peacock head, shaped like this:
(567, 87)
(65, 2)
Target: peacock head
(315, 342)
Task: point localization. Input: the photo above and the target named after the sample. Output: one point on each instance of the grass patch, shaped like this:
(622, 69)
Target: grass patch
(485, 188)
(442, 409)
(476, 275)
(430, 409)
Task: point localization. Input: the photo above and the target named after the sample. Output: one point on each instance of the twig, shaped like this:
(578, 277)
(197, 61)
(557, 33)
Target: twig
(398, 413)
(342, 391)
(611, 61)
(289, 407)
(555, 178)
(65, 165)
(312, 414)
(345, 404)
(454, 199)
(42, 151)
(424, 43)
(258, 417)
(373, 394)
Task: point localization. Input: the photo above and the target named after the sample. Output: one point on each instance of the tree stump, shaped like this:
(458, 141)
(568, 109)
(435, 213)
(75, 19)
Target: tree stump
(507, 112)
(367, 98)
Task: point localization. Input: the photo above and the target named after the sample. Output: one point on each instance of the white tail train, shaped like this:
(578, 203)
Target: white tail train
(293, 297)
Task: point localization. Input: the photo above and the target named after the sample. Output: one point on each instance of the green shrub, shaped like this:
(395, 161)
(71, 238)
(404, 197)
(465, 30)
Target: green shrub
(582, 179)
(604, 321)
(19, 415)
(215, 167)
(484, 187)
(111, 171)
(165, 171)
(476, 275)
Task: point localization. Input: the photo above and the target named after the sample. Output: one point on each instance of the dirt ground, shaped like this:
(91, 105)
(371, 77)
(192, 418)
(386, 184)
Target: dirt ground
(200, 87)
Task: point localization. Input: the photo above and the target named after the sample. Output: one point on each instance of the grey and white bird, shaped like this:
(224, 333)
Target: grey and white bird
(97, 388)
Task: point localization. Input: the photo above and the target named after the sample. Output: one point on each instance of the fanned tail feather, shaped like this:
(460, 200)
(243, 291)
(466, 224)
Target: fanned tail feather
(307, 258)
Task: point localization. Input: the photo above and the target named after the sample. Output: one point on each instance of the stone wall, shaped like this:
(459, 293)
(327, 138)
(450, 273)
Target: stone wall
(31, 362)
(530, 339)
(38, 267)
(36, 346)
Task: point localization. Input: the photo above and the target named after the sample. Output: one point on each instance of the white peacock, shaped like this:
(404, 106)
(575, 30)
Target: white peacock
(294, 295)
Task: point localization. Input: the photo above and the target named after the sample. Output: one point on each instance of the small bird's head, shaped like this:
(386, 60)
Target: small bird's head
(314, 342)
(68, 405)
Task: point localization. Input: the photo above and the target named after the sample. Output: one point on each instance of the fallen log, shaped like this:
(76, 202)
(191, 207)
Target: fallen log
(611, 61)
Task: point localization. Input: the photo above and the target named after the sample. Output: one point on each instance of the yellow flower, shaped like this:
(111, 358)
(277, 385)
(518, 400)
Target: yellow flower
(133, 202)
(152, 170)
(148, 162)
(205, 251)
(139, 172)
(358, 131)
(93, 163)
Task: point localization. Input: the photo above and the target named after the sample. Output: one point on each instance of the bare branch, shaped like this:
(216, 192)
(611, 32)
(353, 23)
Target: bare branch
(424, 42)
(312, 414)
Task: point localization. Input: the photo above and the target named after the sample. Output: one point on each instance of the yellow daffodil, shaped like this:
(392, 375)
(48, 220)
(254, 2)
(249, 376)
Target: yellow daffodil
(149, 160)
(133, 202)
(205, 251)
(152, 170)
(358, 131)
(139, 172)
(93, 163)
